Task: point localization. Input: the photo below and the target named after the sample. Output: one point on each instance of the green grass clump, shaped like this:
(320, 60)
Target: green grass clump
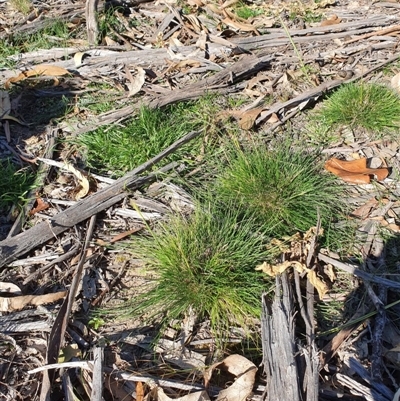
(116, 150)
(23, 6)
(286, 188)
(205, 262)
(14, 185)
(373, 107)
(246, 12)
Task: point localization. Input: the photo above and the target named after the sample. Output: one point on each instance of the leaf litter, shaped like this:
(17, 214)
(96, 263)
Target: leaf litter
(157, 56)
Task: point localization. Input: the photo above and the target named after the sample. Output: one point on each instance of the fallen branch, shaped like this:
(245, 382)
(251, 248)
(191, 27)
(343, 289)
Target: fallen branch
(12, 248)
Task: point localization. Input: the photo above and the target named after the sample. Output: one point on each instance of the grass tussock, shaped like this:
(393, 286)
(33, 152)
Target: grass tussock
(205, 263)
(117, 149)
(14, 185)
(285, 188)
(373, 107)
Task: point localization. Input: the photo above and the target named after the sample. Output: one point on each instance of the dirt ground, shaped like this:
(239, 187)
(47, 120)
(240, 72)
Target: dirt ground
(62, 257)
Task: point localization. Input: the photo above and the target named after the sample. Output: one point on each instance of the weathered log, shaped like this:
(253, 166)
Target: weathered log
(279, 344)
(292, 370)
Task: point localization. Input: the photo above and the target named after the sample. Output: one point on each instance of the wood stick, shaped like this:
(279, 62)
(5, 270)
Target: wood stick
(354, 269)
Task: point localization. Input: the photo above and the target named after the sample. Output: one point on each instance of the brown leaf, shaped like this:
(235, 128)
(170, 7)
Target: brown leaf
(245, 372)
(240, 25)
(355, 171)
(39, 206)
(363, 211)
(136, 83)
(331, 21)
(18, 303)
(48, 70)
(125, 234)
(248, 118)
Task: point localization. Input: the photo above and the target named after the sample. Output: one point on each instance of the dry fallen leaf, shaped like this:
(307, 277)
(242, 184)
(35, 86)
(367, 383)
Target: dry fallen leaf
(240, 25)
(18, 303)
(245, 372)
(273, 270)
(248, 117)
(38, 70)
(39, 206)
(363, 211)
(355, 171)
(136, 83)
(333, 20)
(83, 181)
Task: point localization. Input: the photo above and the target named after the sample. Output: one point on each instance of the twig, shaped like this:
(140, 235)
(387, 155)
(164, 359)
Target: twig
(72, 252)
(79, 269)
(111, 285)
(354, 269)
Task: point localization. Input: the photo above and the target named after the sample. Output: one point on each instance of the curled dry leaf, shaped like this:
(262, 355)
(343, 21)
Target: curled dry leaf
(241, 26)
(136, 83)
(333, 20)
(39, 70)
(245, 372)
(39, 206)
(355, 171)
(273, 270)
(83, 181)
(18, 303)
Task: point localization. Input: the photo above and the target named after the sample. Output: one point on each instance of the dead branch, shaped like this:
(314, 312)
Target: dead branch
(354, 269)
